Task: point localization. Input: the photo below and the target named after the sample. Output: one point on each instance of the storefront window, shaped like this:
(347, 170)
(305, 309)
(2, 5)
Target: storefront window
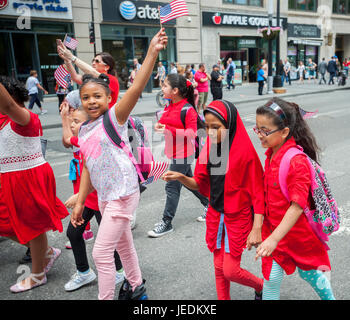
(257, 3)
(127, 43)
(303, 5)
(341, 6)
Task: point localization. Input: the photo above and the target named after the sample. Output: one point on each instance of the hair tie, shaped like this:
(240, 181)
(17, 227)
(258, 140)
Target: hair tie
(188, 83)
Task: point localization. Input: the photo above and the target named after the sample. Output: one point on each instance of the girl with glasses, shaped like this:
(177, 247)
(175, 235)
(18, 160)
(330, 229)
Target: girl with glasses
(288, 240)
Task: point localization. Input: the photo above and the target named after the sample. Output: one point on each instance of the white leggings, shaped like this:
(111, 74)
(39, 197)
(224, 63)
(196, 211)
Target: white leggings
(316, 278)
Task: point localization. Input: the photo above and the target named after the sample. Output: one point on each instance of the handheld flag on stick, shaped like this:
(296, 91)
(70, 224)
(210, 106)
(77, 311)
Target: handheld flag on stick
(157, 170)
(307, 114)
(70, 42)
(62, 77)
(173, 10)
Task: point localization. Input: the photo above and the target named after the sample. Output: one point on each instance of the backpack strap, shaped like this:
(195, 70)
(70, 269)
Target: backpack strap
(183, 113)
(114, 137)
(284, 169)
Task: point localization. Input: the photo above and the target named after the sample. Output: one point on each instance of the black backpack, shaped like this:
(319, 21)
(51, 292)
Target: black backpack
(201, 131)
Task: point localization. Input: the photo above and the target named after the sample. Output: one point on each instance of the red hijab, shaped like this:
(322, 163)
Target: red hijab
(239, 182)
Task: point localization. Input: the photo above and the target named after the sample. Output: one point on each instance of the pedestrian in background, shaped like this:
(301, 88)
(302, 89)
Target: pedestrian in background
(160, 73)
(189, 76)
(311, 67)
(61, 94)
(216, 83)
(288, 239)
(287, 68)
(202, 77)
(234, 184)
(29, 206)
(301, 72)
(230, 73)
(332, 69)
(32, 86)
(346, 65)
(261, 80)
(173, 69)
(322, 69)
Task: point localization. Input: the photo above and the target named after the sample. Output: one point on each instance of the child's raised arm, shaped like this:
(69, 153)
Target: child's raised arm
(66, 130)
(129, 100)
(9, 107)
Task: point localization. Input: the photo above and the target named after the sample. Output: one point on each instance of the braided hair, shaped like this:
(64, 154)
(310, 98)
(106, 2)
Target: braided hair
(292, 119)
(16, 89)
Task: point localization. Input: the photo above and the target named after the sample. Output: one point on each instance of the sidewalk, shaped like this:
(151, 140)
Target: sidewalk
(245, 93)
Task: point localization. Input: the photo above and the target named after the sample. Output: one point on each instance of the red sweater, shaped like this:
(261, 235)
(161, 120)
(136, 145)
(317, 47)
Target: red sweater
(179, 143)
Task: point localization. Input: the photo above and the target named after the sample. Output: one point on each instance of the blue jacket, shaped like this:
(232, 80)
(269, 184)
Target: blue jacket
(261, 75)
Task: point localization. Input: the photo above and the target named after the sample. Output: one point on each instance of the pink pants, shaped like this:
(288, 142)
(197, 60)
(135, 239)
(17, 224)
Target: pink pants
(114, 233)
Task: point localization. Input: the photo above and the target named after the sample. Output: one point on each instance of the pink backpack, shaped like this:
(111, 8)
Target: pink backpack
(324, 220)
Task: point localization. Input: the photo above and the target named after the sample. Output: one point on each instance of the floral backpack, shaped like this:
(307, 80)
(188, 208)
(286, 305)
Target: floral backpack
(324, 219)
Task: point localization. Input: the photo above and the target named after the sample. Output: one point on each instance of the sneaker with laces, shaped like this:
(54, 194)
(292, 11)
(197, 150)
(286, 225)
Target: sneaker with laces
(203, 216)
(126, 293)
(120, 276)
(79, 279)
(161, 229)
(88, 235)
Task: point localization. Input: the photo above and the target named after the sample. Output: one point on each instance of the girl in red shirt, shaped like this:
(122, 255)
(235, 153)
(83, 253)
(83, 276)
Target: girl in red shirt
(179, 144)
(229, 172)
(288, 240)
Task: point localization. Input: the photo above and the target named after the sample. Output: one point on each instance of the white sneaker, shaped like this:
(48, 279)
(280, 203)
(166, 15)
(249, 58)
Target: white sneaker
(203, 216)
(43, 112)
(119, 277)
(78, 280)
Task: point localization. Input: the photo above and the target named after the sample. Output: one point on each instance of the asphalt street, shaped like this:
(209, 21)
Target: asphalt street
(179, 266)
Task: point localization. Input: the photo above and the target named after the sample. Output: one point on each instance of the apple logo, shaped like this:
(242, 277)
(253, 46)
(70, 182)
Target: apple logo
(3, 4)
(217, 18)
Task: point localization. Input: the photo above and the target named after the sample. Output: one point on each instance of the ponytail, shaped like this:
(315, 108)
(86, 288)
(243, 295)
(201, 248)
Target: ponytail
(292, 118)
(180, 82)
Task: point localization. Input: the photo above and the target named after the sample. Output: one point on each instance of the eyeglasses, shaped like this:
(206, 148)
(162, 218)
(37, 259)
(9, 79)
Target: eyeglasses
(98, 61)
(264, 133)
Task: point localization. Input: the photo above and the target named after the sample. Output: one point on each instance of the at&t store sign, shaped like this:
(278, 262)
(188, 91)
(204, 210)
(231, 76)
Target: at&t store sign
(143, 12)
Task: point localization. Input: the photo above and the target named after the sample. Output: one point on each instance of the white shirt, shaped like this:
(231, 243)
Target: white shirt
(31, 85)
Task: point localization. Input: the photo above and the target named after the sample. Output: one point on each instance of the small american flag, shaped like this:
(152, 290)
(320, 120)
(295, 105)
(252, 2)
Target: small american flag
(157, 170)
(307, 114)
(173, 10)
(62, 77)
(70, 42)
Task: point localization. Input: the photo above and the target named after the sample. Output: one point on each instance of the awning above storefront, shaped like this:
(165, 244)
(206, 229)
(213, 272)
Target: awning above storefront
(309, 42)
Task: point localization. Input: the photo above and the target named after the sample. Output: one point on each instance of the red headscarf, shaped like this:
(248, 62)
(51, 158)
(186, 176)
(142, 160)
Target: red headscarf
(241, 184)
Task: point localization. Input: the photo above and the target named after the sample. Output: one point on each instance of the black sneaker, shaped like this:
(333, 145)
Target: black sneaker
(161, 229)
(27, 258)
(126, 293)
(258, 296)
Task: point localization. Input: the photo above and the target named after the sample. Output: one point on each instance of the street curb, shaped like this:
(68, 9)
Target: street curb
(284, 95)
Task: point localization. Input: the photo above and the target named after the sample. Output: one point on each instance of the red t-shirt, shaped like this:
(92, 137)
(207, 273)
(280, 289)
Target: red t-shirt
(114, 87)
(91, 200)
(179, 143)
(202, 86)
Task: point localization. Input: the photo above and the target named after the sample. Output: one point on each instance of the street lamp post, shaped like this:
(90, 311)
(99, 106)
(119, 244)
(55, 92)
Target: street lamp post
(270, 78)
(277, 80)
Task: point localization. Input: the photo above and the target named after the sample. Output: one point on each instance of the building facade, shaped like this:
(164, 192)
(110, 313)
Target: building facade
(215, 29)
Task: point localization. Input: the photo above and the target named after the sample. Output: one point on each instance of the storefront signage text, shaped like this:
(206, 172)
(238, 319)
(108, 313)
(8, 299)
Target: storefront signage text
(54, 9)
(132, 11)
(303, 30)
(239, 20)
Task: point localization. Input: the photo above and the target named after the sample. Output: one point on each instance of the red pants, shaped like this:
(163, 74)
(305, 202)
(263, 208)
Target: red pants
(228, 268)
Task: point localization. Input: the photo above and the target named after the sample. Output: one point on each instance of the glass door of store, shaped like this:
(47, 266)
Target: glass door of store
(6, 64)
(25, 55)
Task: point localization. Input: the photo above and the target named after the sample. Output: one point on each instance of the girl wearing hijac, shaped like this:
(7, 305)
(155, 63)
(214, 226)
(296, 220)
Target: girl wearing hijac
(84, 275)
(28, 203)
(229, 172)
(102, 63)
(179, 144)
(288, 240)
(109, 170)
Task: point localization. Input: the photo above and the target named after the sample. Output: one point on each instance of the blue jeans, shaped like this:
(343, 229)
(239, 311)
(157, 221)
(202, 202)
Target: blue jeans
(34, 98)
(229, 82)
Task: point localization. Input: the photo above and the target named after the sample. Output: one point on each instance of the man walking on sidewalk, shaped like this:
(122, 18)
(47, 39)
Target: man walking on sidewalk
(216, 83)
(322, 69)
(332, 69)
